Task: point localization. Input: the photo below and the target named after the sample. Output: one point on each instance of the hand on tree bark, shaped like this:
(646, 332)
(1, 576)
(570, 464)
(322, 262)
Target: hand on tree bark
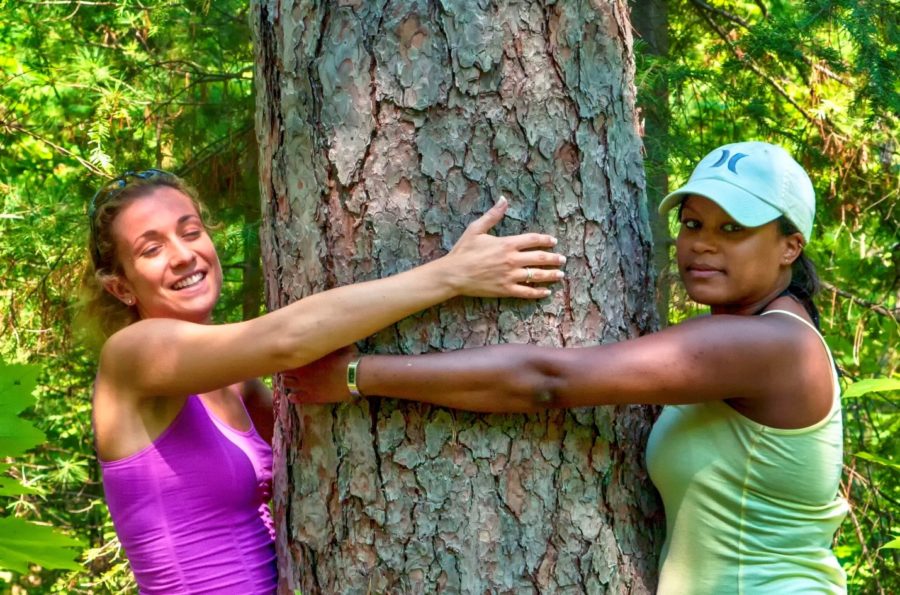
(482, 265)
(322, 381)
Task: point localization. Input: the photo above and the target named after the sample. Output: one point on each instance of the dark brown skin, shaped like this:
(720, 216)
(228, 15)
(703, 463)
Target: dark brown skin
(773, 369)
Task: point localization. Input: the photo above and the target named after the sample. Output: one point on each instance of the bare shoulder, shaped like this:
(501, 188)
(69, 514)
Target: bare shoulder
(808, 350)
(802, 374)
(125, 344)
(129, 353)
(135, 336)
(789, 320)
(117, 358)
(776, 334)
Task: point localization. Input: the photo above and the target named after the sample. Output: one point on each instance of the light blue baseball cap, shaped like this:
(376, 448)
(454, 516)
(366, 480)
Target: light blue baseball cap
(755, 183)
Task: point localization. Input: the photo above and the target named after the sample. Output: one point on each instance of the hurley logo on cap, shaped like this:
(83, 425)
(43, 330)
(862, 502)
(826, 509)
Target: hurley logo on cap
(732, 163)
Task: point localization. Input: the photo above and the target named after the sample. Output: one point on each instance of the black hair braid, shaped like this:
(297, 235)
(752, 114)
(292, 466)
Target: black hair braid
(805, 282)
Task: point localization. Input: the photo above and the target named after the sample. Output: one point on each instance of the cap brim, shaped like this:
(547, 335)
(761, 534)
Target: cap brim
(747, 209)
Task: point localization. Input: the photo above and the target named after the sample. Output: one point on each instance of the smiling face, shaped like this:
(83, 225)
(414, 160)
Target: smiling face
(733, 269)
(169, 265)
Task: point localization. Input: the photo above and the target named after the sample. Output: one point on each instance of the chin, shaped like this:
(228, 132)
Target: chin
(202, 317)
(705, 298)
(199, 313)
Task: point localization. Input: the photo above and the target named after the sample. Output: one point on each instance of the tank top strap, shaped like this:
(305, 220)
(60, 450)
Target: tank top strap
(807, 323)
(248, 441)
(792, 315)
(224, 426)
(240, 393)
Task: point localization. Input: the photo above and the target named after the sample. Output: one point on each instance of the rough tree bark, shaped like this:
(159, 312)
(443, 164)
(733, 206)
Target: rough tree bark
(384, 128)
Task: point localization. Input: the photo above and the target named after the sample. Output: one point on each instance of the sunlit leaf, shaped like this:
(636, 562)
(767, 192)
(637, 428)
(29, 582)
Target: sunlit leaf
(17, 435)
(23, 543)
(876, 459)
(871, 385)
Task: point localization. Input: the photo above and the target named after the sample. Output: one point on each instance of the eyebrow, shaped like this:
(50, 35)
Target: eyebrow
(181, 221)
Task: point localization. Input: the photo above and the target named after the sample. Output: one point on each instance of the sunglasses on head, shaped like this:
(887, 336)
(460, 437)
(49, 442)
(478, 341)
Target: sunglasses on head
(112, 189)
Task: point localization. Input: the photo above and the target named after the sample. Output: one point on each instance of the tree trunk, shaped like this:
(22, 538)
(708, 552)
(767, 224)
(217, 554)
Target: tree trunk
(651, 23)
(384, 128)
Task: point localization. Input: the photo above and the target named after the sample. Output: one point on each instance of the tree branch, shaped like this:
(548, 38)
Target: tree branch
(750, 64)
(71, 2)
(762, 7)
(87, 164)
(723, 13)
(746, 25)
(207, 152)
(879, 308)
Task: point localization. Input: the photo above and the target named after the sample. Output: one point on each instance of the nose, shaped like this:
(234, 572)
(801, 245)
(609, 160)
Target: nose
(180, 254)
(703, 240)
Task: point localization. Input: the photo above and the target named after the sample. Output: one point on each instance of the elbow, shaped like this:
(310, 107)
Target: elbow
(537, 380)
(549, 392)
(288, 350)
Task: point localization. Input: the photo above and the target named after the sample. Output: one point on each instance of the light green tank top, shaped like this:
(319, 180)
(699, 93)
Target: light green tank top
(750, 509)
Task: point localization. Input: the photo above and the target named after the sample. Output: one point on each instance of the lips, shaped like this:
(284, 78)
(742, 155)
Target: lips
(703, 271)
(189, 281)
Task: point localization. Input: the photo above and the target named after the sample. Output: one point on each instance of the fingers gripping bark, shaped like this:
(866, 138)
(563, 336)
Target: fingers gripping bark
(482, 265)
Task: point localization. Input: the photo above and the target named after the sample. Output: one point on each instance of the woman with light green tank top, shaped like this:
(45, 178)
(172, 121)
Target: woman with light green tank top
(747, 453)
(750, 508)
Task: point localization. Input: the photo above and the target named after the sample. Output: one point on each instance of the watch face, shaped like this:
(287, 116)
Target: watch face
(351, 378)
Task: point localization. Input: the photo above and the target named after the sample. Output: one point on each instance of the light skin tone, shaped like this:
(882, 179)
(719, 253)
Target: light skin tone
(172, 276)
(773, 369)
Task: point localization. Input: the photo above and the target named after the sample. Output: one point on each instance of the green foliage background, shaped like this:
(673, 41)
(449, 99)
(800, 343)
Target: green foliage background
(89, 89)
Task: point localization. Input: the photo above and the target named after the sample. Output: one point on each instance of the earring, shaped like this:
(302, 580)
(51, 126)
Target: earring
(129, 301)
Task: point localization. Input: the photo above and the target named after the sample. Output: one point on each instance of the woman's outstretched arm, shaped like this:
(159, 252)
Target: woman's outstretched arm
(710, 358)
(160, 357)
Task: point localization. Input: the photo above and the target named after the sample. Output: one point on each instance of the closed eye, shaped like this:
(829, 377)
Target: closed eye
(151, 250)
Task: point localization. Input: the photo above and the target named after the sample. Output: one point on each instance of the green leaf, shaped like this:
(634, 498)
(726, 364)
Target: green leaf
(11, 487)
(23, 543)
(17, 382)
(871, 385)
(877, 460)
(17, 435)
(893, 544)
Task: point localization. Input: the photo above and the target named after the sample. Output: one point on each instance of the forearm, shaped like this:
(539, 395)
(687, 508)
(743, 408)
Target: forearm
(520, 378)
(526, 378)
(321, 323)
(479, 265)
(499, 378)
(693, 362)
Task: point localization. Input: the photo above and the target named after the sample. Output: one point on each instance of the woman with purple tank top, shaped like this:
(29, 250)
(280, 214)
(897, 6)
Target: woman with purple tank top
(182, 424)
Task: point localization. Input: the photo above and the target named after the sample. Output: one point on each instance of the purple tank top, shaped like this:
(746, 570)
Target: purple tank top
(191, 509)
